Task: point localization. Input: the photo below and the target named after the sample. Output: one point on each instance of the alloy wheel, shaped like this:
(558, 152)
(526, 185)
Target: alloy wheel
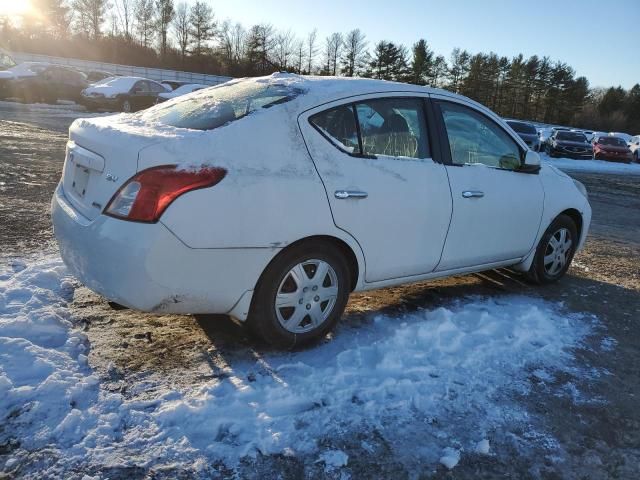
(558, 252)
(306, 296)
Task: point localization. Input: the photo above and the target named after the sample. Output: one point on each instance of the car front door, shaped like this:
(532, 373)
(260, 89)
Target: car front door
(383, 184)
(140, 95)
(497, 207)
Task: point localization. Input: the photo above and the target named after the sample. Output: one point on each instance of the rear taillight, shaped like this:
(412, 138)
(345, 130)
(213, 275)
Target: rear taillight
(146, 196)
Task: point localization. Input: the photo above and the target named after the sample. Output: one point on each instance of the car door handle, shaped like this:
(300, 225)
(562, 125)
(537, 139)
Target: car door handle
(472, 194)
(343, 194)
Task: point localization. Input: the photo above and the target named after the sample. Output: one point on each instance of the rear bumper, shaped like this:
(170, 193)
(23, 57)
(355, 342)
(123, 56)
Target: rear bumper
(583, 155)
(146, 267)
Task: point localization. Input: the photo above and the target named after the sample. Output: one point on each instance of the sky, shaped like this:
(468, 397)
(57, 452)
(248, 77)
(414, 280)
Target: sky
(600, 40)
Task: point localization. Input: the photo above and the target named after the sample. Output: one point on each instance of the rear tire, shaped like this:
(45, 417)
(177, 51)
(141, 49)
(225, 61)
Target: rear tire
(554, 252)
(125, 106)
(301, 295)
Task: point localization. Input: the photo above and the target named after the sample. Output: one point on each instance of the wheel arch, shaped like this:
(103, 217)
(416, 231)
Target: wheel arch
(574, 215)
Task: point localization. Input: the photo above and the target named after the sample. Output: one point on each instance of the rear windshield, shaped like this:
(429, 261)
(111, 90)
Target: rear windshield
(571, 136)
(214, 107)
(615, 141)
(523, 128)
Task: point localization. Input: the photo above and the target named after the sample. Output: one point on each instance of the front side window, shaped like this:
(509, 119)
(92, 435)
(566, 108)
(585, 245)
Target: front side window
(475, 139)
(393, 127)
(214, 107)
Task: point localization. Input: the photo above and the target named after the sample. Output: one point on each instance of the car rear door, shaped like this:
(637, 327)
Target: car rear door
(384, 186)
(497, 209)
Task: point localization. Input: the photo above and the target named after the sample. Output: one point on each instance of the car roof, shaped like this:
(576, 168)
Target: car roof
(320, 90)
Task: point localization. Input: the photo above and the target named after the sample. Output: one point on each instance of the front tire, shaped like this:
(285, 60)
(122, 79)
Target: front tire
(125, 107)
(301, 295)
(555, 251)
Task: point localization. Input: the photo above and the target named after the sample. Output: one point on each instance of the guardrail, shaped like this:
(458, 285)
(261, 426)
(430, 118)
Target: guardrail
(157, 74)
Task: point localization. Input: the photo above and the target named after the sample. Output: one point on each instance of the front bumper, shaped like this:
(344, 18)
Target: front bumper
(146, 267)
(572, 152)
(614, 156)
(100, 102)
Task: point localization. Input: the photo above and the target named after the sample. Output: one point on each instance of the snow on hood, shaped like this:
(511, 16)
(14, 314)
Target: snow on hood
(431, 384)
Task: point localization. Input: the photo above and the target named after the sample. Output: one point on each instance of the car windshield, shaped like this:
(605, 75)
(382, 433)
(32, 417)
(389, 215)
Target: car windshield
(214, 107)
(571, 136)
(523, 128)
(613, 141)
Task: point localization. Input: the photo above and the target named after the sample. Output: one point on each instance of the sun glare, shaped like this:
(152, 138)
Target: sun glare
(14, 8)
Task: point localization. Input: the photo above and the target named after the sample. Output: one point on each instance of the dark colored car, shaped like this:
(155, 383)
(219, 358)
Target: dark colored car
(50, 84)
(611, 148)
(527, 132)
(122, 94)
(568, 144)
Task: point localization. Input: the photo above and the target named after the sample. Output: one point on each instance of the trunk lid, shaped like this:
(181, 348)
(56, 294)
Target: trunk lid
(102, 154)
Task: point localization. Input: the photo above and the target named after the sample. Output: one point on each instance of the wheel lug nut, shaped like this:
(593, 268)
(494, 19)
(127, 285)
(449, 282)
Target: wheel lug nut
(308, 306)
(316, 298)
(305, 289)
(315, 287)
(300, 301)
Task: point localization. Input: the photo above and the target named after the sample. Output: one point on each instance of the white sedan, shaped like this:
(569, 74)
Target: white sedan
(182, 90)
(271, 199)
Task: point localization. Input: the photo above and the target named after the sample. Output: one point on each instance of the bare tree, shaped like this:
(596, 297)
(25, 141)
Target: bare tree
(333, 47)
(283, 49)
(145, 24)
(181, 27)
(299, 49)
(165, 14)
(202, 26)
(124, 12)
(355, 53)
(52, 16)
(231, 38)
(90, 15)
(312, 50)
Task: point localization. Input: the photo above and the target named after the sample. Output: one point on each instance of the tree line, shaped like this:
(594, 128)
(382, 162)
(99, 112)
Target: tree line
(177, 35)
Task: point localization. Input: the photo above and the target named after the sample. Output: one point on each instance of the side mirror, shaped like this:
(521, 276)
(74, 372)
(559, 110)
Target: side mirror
(532, 163)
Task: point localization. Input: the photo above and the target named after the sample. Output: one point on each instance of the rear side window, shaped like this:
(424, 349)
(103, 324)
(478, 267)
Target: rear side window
(338, 125)
(393, 127)
(215, 107)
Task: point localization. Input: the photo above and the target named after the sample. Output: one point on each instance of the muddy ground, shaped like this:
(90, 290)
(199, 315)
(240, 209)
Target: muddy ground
(600, 440)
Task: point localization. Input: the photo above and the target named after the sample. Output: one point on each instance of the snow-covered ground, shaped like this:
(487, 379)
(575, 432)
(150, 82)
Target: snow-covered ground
(592, 166)
(436, 385)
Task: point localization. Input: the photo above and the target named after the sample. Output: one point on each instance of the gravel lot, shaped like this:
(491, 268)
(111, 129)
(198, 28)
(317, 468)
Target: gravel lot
(599, 438)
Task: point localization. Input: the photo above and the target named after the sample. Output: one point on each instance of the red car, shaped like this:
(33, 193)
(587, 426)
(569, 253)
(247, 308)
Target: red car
(611, 148)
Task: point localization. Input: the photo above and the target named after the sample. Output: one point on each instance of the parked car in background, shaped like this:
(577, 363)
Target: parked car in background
(564, 143)
(183, 90)
(611, 148)
(587, 133)
(95, 76)
(274, 198)
(625, 136)
(9, 76)
(49, 84)
(122, 94)
(634, 146)
(173, 84)
(527, 132)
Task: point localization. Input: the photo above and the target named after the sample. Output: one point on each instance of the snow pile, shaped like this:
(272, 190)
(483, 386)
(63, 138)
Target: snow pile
(432, 385)
(45, 382)
(593, 166)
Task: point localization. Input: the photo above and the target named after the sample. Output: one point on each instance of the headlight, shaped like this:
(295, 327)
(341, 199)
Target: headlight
(581, 188)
